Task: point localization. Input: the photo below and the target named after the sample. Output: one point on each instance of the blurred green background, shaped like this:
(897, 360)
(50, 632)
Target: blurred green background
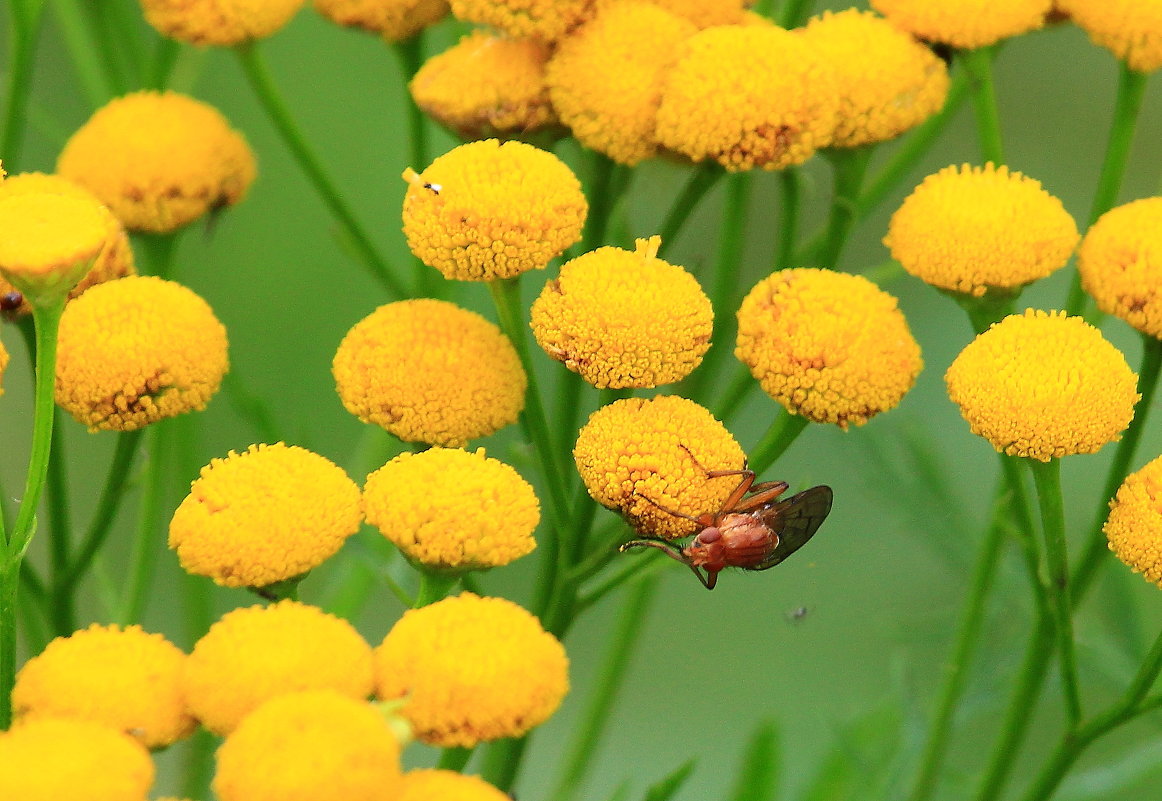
(850, 684)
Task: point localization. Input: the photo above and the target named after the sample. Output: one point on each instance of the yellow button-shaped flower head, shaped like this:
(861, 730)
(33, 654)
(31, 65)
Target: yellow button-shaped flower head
(471, 669)
(748, 96)
(3, 363)
(606, 78)
(966, 24)
(219, 22)
(830, 346)
(1134, 527)
(429, 371)
(251, 655)
(114, 261)
(971, 229)
(138, 350)
(1120, 261)
(453, 510)
(485, 85)
(446, 785)
(50, 759)
(888, 82)
(637, 455)
(1130, 29)
(316, 745)
(394, 20)
(547, 20)
(703, 13)
(159, 160)
(624, 319)
(268, 514)
(1043, 385)
(126, 679)
(488, 210)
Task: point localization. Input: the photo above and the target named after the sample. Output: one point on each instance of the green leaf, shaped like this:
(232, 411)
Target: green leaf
(758, 775)
(665, 789)
(1138, 766)
(864, 760)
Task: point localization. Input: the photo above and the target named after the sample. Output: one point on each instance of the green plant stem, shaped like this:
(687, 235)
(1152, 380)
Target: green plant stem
(279, 113)
(702, 177)
(607, 181)
(143, 554)
(24, 18)
(454, 759)
(411, 57)
(433, 587)
(790, 206)
(735, 393)
(795, 12)
(163, 61)
(159, 251)
(987, 309)
(849, 166)
(59, 533)
(776, 440)
(979, 66)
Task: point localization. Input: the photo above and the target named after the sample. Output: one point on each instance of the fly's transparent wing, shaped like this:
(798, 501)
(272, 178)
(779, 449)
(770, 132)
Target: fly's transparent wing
(795, 520)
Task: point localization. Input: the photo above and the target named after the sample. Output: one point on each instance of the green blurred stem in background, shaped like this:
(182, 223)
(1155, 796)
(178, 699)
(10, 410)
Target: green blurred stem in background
(24, 18)
(979, 66)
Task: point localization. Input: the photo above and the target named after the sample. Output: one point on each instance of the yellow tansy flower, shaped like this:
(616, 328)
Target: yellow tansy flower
(138, 350)
(219, 22)
(624, 319)
(471, 669)
(159, 160)
(970, 229)
(606, 78)
(830, 346)
(966, 24)
(1134, 527)
(114, 261)
(485, 85)
(1120, 261)
(3, 364)
(50, 759)
(394, 20)
(888, 82)
(547, 20)
(253, 654)
(703, 13)
(1043, 385)
(125, 679)
(657, 449)
(429, 371)
(453, 510)
(446, 785)
(1130, 29)
(488, 210)
(268, 514)
(748, 96)
(310, 746)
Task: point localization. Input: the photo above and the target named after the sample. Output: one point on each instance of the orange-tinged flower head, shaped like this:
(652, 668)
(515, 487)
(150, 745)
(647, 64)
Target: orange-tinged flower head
(429, 371)
(830, 346)
(126, 679)
(624, 319)
(487, 210)
(606, 78)
(657, 449)
(1130, 29)
(971, 229)
(1134, 527)
(1120, 261)
(268, 514)
(453, 510)
(486, 85)
(748, 96)
(219, 22)
(471, 669)
(394, 20)
(316, 745)
(138, 350)
(703, 13)
(254, 654)
(888, 82)
(3, 363)
(159, 160)
(446, 785)
(1043, 385)
(50, 759)
(114, 261)
(967, 24)
(547, 20)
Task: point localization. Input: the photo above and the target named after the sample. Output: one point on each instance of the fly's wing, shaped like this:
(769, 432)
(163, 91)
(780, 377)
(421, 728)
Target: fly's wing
(795, 520)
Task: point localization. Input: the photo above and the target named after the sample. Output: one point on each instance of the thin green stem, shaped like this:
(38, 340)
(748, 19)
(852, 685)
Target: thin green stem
(454, 759)
(433, 587)
(143, 554)
(411, 57)
(979, 66)
(59, 533)
(849, 166)
(159, 251)
(701, 179)
(502, 761)
(987, 309)
(782, 432)
(736, 392)
(164, 60)
(24, 18)
(795, 12)
(97, 74)
(790, 205)
(279, 113)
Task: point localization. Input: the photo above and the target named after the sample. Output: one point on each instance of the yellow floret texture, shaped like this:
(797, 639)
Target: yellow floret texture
(126, 679)
(1134, 527)
(606, 79)
(268, 514)
(970, 229)
(446, 785)
(703, 13)
(747, 97)
(966, 24)
(832, 347)
(3, 363)
(453, 510)
(251, 655)
(1130, 29)
(138, 350)
(219, 22)
(394, 20)
(1043, 385)
(547, 20)
(1120, 261)
(429, 371)
(159, 160)
(638, 455)
(488, 210)
(471, 669)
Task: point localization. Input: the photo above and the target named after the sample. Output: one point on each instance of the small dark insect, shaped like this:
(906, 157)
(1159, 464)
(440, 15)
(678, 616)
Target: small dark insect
(753, 530)
(797, 614)
(434, 187)
(10, 301)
